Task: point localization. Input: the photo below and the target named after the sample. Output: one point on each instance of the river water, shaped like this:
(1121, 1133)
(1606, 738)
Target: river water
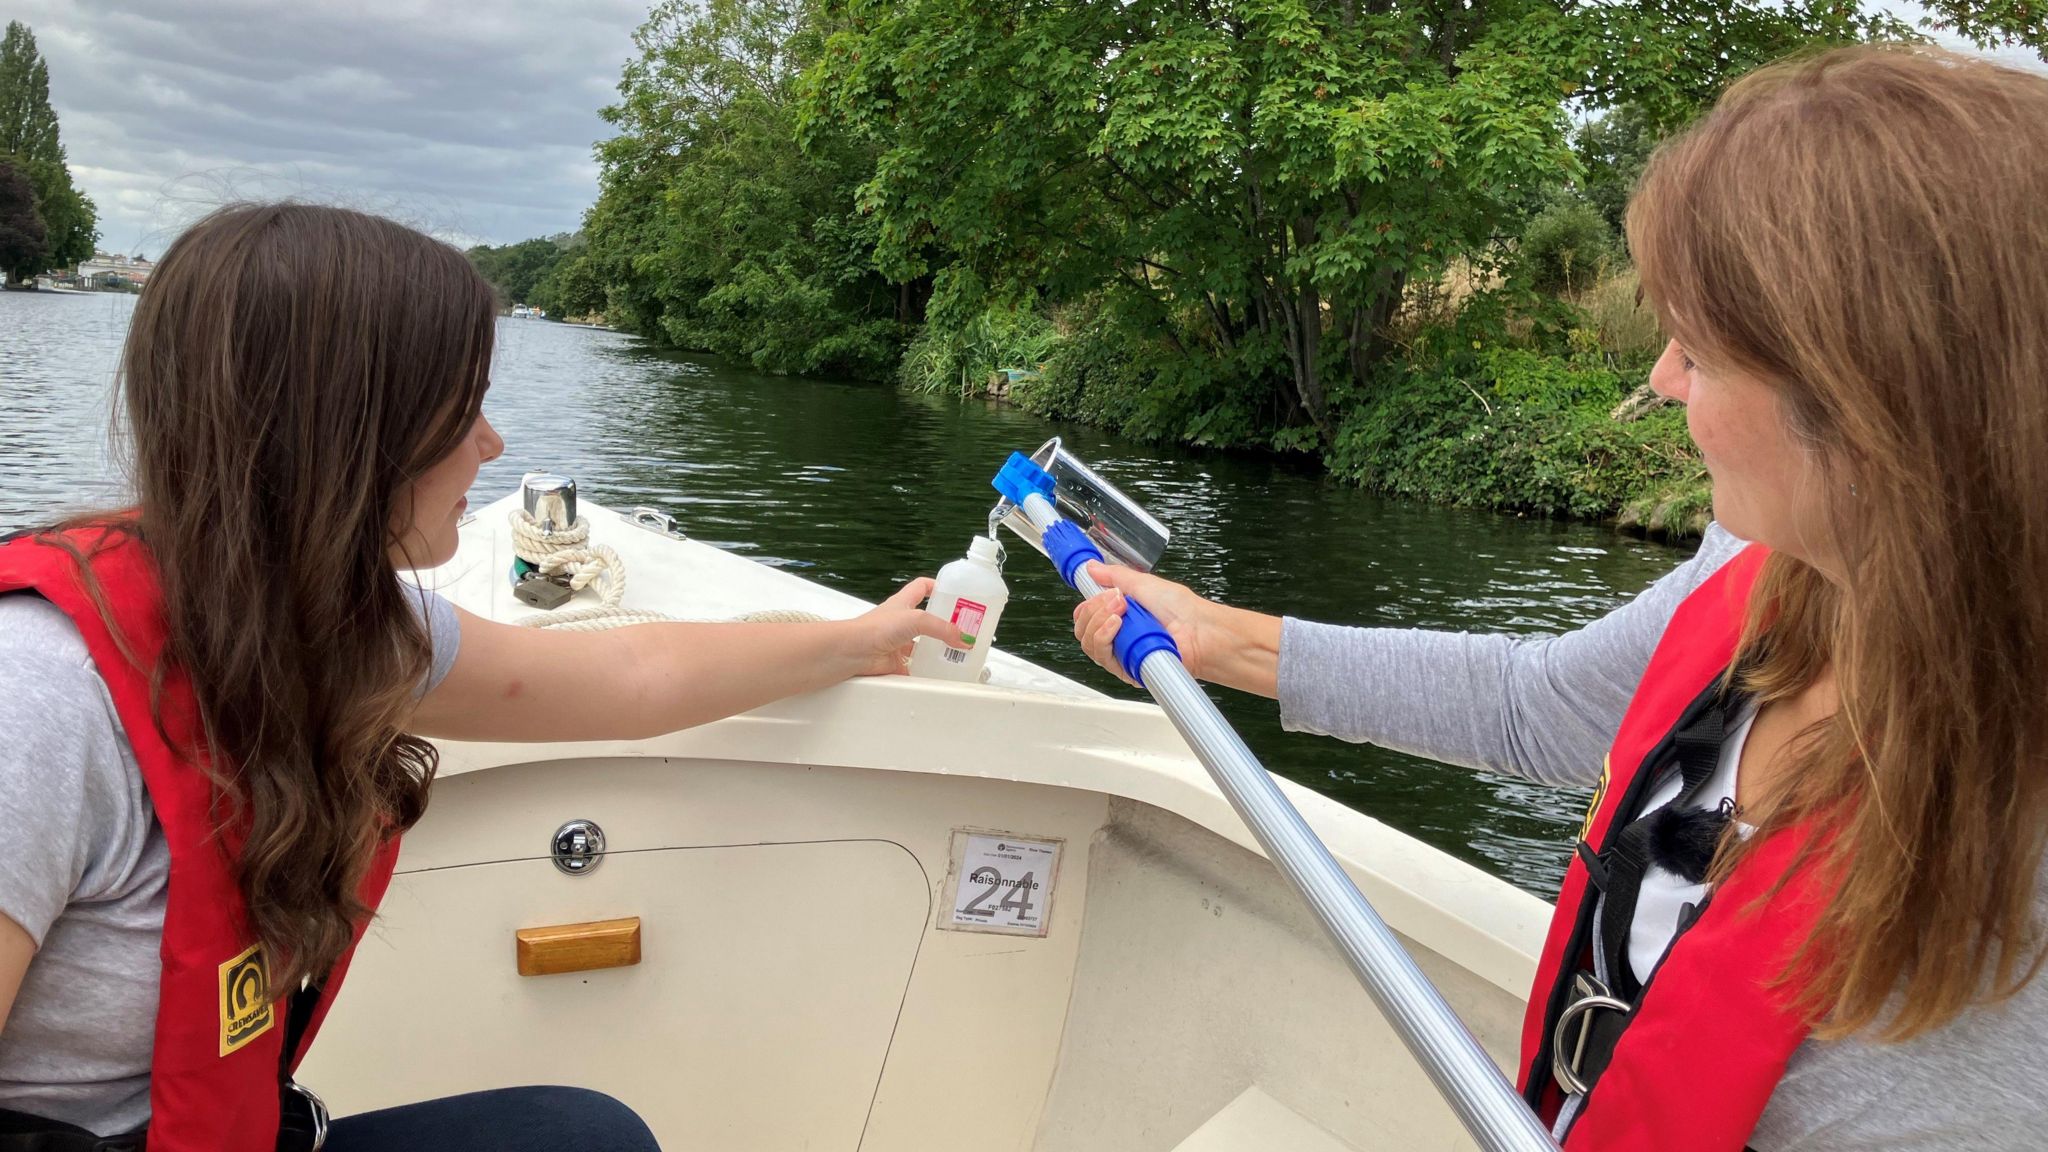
(860, 487)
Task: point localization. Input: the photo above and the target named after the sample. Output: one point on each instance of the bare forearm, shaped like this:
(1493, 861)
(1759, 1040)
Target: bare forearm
(515, 684)
(1246, 655)
(519, 684)
(681, 675)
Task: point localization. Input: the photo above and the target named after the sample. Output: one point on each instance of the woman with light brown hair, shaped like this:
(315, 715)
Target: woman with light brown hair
(1806, 909)
(215, 702)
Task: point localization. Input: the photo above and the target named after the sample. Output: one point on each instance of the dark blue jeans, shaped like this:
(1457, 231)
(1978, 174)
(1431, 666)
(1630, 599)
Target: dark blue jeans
(537, 1119)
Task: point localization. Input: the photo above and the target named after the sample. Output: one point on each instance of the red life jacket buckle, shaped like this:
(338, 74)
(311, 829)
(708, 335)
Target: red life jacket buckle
(1568, 1054)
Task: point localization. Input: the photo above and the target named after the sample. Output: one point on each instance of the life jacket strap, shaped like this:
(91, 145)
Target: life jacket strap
(1600, 1005)
(303, 1129)
(302, 1116)
(23, 1132)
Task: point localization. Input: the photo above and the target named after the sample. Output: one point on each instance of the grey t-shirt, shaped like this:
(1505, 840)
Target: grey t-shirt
(1545, 708)
(85, 874)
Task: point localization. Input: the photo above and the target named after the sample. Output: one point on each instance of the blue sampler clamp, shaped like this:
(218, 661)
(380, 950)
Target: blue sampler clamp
(1022, 480)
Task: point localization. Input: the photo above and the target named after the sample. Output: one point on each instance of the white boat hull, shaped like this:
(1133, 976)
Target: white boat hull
(801, 984)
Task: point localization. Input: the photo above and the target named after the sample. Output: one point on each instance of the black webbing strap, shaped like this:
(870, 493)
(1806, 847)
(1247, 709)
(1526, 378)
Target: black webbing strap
(1627, 860)
(1698, 745)
(298, 1016)
(22, 1132)
(1697, 749)
(297, 1125)
(1618, 871)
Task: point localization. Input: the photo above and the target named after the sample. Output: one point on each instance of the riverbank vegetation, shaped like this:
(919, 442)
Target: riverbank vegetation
(1382, 232)
(552, 272)
(45, 222)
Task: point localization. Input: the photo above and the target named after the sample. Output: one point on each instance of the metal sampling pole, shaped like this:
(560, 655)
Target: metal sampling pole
(1484, 1101)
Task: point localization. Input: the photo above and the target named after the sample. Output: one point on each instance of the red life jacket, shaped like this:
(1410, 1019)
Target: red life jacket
(218, 1060)
(1707, 1040)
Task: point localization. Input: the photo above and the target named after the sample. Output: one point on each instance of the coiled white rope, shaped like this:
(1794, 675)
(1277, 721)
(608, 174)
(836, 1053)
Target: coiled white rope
(555, 551)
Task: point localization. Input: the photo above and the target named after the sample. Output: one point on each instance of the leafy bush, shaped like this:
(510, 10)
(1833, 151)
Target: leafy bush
(1567, 247)
(1118, 368)
(959, 357)
(1522, 431)
(1680, 508)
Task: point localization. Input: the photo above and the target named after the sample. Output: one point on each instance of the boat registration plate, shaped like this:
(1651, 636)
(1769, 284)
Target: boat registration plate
(1000, 883)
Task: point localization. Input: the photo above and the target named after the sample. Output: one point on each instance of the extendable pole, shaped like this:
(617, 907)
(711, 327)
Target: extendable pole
(1485, 1103)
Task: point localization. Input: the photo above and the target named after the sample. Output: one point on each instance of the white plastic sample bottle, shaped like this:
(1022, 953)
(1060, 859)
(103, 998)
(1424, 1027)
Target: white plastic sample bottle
(970, 594)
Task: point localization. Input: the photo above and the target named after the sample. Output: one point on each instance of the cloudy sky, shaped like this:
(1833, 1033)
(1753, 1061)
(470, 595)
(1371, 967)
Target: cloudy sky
(471, 119)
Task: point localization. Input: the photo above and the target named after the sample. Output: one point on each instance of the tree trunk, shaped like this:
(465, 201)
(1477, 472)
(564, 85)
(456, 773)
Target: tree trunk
(1371, 344)
(911, 298)
(1305, 336)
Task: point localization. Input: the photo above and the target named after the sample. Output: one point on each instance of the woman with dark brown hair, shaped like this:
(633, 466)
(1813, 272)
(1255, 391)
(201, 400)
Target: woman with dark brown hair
(215, 701)
(1806, 909)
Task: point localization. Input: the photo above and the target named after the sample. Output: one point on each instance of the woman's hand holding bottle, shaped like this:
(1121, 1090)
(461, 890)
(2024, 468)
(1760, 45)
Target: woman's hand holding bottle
(877, 643)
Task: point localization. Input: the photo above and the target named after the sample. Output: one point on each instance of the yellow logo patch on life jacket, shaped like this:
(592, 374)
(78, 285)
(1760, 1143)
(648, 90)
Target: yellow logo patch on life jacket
(244, 1000)
(1599, 794)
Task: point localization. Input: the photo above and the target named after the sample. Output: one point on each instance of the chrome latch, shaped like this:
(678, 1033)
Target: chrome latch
(578, 847)
(654, 520)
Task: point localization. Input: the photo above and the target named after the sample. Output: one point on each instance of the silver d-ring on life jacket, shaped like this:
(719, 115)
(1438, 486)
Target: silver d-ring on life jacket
(1590, 994)
(318, 1109)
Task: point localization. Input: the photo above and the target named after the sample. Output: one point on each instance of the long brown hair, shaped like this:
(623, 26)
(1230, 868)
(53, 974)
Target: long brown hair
(288, 371)
(1864, 231)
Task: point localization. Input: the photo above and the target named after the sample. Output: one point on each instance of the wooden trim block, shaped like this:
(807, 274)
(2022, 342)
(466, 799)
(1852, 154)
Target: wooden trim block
(555, 948)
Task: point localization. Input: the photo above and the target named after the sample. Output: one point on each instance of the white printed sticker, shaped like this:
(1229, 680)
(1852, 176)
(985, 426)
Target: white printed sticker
(1002, 883)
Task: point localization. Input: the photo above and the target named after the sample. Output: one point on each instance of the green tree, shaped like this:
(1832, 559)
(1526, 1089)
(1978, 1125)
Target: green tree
(69, 215)
(516, 270)
(28, 125)
(1612, 149)
(1567, 246)
(1251, 187)
(21, 230)
(713, 229)
(571, 287)
(29, 137)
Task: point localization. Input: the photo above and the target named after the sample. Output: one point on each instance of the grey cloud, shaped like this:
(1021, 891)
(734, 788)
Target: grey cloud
(471, 119)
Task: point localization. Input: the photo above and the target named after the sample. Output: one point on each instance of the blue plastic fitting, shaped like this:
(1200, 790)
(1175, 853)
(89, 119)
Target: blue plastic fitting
(1021, 477)
(1141, 634)
(1069, 548)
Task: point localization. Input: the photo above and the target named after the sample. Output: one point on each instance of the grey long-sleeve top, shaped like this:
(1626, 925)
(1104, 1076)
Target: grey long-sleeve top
(1541, 707)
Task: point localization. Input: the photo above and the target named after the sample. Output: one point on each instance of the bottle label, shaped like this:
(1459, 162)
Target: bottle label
(967, 616)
